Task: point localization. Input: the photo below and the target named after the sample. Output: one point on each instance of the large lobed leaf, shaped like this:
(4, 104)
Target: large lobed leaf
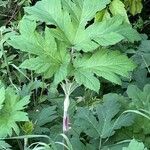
(107, 123)
(11, 111)
(103, 63)
(71, 17)
(51, 58)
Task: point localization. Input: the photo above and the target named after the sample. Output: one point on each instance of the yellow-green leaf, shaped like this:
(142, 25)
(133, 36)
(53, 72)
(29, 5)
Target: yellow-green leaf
(118, 8)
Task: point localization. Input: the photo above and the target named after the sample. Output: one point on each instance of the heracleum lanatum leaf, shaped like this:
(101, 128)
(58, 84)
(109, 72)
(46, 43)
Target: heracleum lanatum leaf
(104, 125)
(11, 111)
(71, 17)
(52, 49)
(103, 63)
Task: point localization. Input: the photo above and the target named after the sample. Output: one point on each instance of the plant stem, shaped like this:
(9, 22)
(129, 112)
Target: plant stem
(7, 66)
(66, 118)
(100, 143)
(25, 143)
(66, 115)
(68, 88)
(145, 63)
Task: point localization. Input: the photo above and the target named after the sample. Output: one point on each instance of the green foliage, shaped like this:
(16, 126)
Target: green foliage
(11, 111)
(3, 3)
(135, 6)
(140, 99)
(142, 55)
(41, 117)
(104, 64)
(118, 8)
(141, 82)
(4, 145)
(56, 57)
(86, 42)
(51, 58)
(27, 127)
(135, 145)
(75, 17)
(106, 125)
(27, 89)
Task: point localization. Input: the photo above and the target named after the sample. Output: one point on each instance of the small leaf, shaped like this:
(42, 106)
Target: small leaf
(135, 145)
(135, 6)
(102, 15)
(61, 74)
(118, 8)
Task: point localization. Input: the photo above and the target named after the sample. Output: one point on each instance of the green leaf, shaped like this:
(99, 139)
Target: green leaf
(102, 15)
(135, 6)
(12, 112)
(142, 56)
(46, 115)
(61, 74)
(4, 145)
(71, 18)
(141, 82)
(102, 123)
(140, 99)
(27, 89)
(50, 57)
(140, 102)
(135, 145)
(40, 65)
(1, 54)
(88, 80)
(42, 12)
(66, 30)
(111, 31)
(85, 10)
(103, 63)
(82, 11)
(43, 116)
(26, 27)
(118, 8)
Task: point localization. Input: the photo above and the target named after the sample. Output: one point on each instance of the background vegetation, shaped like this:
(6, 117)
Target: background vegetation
(109, 109)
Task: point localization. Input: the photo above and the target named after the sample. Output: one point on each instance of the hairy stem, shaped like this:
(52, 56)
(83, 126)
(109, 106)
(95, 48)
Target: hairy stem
(25, 143)
(68, 88)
